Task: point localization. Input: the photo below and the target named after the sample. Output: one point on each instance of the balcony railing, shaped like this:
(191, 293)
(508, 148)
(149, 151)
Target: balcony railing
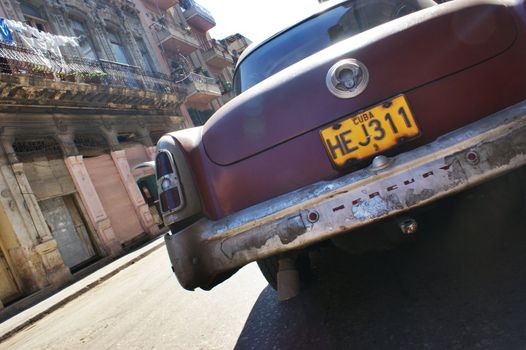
(202, 11)
(187, 5)
(201, 89)
(217, 56)
(198, 78)
(24, 61)
(197, 16)
(176, 38)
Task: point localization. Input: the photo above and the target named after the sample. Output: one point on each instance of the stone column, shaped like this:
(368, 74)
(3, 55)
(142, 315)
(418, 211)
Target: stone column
(86, 190)
(55, 11)
(12, 10)
(32, 248)
(146, 141)
(22, 194)
(140, 206)
(110, 135)
(97, 26)
(152, 152)
(144, 135)
(93, 205)
(121, 162)
(22, 238)
(132, 46)
(66, 141)
(31, 203)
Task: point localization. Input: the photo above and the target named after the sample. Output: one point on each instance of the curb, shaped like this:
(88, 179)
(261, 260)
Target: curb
(78, 293)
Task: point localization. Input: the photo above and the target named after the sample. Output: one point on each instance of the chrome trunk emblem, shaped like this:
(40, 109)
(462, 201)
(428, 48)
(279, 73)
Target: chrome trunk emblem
(347, 78)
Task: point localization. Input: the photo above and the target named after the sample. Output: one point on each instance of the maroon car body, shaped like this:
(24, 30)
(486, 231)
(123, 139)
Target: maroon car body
(456, 63)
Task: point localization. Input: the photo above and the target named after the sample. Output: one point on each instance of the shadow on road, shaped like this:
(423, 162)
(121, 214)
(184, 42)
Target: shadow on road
(459, 284)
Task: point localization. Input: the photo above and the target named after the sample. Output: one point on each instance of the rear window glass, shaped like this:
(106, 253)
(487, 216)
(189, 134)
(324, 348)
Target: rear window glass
(317, 33)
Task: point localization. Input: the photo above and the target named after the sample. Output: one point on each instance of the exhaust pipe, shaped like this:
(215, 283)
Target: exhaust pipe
(407, 225)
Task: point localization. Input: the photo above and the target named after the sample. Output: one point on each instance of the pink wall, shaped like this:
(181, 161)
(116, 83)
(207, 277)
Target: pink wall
(91, 200)
(114, 197)
(135, 195)
(143, 6)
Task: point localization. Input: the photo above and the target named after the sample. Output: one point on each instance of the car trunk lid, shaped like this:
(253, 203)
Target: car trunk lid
(400, 56)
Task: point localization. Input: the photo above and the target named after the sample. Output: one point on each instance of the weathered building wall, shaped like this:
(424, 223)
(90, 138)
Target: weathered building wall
(136, 153)
(28, 246)
(149, 14)
(107, 242)
(63, 210)
(114, 198)
(100, 107)
(9, 286)
(186, 51)
(67, 228)
(58, 211)
(55, 192)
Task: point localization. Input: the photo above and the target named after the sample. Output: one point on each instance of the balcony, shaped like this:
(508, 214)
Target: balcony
(227, 91)
(197, 16)
(217, 57)
(163, 4)
(201, 89)
(29, 78)
(175, 39)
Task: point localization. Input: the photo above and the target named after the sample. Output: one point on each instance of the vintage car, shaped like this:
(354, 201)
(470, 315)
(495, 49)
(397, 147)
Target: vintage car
(359, 114)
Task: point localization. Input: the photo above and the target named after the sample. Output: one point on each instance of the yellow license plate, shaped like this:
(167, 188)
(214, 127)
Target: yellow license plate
(370, 132)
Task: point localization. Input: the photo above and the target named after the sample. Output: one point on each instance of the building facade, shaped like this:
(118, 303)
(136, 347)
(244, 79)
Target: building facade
(236, 44)
(186, 51)
(77, 119)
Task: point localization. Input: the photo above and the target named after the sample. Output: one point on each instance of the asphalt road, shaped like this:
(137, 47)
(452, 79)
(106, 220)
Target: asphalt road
(458, 284)
(143, 307)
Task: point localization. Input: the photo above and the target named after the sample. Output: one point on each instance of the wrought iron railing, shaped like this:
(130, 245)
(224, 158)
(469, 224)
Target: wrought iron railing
(191, 4)
(198, 78)
(200, 83)
(213, 48)
(204, 12)
(24, 61)
(166, 30)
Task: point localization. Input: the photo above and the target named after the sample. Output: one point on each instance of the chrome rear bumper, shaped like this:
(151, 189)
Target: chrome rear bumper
(205, 251)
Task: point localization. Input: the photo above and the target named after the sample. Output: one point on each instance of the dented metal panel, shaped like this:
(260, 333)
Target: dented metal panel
(455, 162)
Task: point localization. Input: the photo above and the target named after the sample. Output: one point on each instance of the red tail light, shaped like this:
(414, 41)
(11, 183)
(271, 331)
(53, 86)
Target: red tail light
(163, 165)
(170, 191)
(170, 200)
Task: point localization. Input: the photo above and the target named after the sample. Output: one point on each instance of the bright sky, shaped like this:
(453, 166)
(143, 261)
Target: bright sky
(256, 19)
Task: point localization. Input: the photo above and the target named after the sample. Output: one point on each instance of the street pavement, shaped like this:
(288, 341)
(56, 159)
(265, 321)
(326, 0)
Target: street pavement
(458, 284)
(143, 307)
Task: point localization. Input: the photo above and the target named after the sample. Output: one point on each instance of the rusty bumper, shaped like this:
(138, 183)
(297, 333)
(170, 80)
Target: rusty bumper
(202, 254)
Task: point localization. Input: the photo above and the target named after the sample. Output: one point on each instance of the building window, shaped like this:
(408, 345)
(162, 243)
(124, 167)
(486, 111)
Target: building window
(33, 17)
(86, 45)
(146, 58)
(120, 52)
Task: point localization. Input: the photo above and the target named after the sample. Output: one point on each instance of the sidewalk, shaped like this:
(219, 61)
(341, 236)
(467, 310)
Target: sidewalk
(20, 321)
